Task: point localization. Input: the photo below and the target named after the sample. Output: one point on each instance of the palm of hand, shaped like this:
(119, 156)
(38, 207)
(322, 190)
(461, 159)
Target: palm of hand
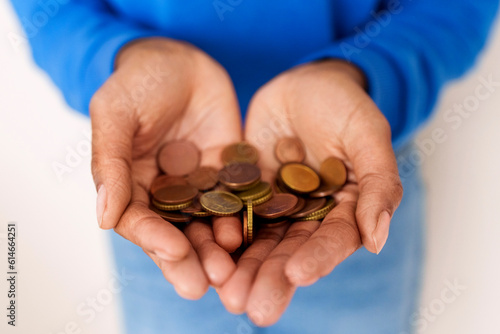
(150, 100)
(332, 115)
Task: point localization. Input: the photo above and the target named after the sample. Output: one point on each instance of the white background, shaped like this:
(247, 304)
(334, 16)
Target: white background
(64, 259)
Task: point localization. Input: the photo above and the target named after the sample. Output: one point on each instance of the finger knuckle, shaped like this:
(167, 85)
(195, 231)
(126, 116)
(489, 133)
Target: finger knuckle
(270, 235)
(113, 169)
(297, 235)
(346, 231)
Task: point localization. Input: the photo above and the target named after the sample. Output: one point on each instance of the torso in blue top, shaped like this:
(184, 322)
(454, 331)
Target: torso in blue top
(245, 35)
(422, 44)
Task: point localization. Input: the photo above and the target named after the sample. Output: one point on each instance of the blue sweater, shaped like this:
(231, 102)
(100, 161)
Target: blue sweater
(408, 48)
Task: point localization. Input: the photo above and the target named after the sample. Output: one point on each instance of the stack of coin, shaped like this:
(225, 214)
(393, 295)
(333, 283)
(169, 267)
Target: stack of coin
(187, 191)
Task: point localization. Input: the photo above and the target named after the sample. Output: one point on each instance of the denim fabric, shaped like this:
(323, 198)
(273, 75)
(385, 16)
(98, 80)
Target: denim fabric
(367, 293)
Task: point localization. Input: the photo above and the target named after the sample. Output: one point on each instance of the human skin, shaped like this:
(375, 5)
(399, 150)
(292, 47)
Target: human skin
(323, 103)
(163, 90)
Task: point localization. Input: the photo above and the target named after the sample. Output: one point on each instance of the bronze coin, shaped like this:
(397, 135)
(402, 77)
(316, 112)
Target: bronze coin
(299, 178)
(195, 209)
(195, 206)
(324, 190)
(221, 203)
(179, 158)
(204, 178)
(262, 222)
(290, 149)
(221, 187)
(278, 206)
(279, 187)
(240, 152)
(163, 181)
(239, 175)
(300, 205)
(175, 194)
(174, 217)
(333, 172)
(312, 205)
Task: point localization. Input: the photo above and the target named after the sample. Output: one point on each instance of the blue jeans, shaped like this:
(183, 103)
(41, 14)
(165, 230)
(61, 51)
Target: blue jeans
(367, 293)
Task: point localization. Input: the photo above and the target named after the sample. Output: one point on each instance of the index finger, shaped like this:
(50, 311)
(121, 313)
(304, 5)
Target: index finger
(336, 239)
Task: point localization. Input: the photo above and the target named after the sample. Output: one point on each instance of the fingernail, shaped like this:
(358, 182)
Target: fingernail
(101, 203)
(381, 232)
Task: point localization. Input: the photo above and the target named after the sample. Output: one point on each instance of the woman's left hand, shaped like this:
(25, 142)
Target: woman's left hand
(325, 105)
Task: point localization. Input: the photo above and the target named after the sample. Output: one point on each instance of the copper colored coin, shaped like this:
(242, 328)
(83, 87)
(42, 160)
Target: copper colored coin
(279, 187)
(324, 190)
(299, 178)
(178, 158)
(301, 203)
(175, 194)
(333, 172)
(172, 216)
(221, 187)
(239, 175)
(262, 222)
(204, 178)
(163, 181)
(239, 152)
(290, 149)
(312, 205)
(194, 207)
(278, 206)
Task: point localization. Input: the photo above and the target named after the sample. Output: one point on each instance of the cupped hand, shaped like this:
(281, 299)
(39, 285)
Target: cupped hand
(325, 105)
(163, 90)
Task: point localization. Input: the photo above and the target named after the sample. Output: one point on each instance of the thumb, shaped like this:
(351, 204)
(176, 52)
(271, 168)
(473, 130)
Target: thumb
(112, 136)
(380, 189)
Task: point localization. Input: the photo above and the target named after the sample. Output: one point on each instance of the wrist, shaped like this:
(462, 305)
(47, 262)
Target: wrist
(344, 68)
(143, 49)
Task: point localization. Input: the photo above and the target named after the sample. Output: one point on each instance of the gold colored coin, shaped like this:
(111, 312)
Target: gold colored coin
(249, 222)
(245, 229)
(239, 152)
(299, 178)
(221, 203)
(273, 222)
(201, 214)
(333, 172)
(258, 191)
(321, 213)
(171, 207)
(263, 199)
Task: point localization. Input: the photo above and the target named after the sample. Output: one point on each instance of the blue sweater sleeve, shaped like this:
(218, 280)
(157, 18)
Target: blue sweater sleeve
(409, 49)
(75, 41)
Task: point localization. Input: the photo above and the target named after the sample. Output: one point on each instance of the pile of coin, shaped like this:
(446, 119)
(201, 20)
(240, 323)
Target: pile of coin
(187, 191)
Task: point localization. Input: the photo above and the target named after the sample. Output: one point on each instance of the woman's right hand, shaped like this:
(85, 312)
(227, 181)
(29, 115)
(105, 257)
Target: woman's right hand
(163, 90)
